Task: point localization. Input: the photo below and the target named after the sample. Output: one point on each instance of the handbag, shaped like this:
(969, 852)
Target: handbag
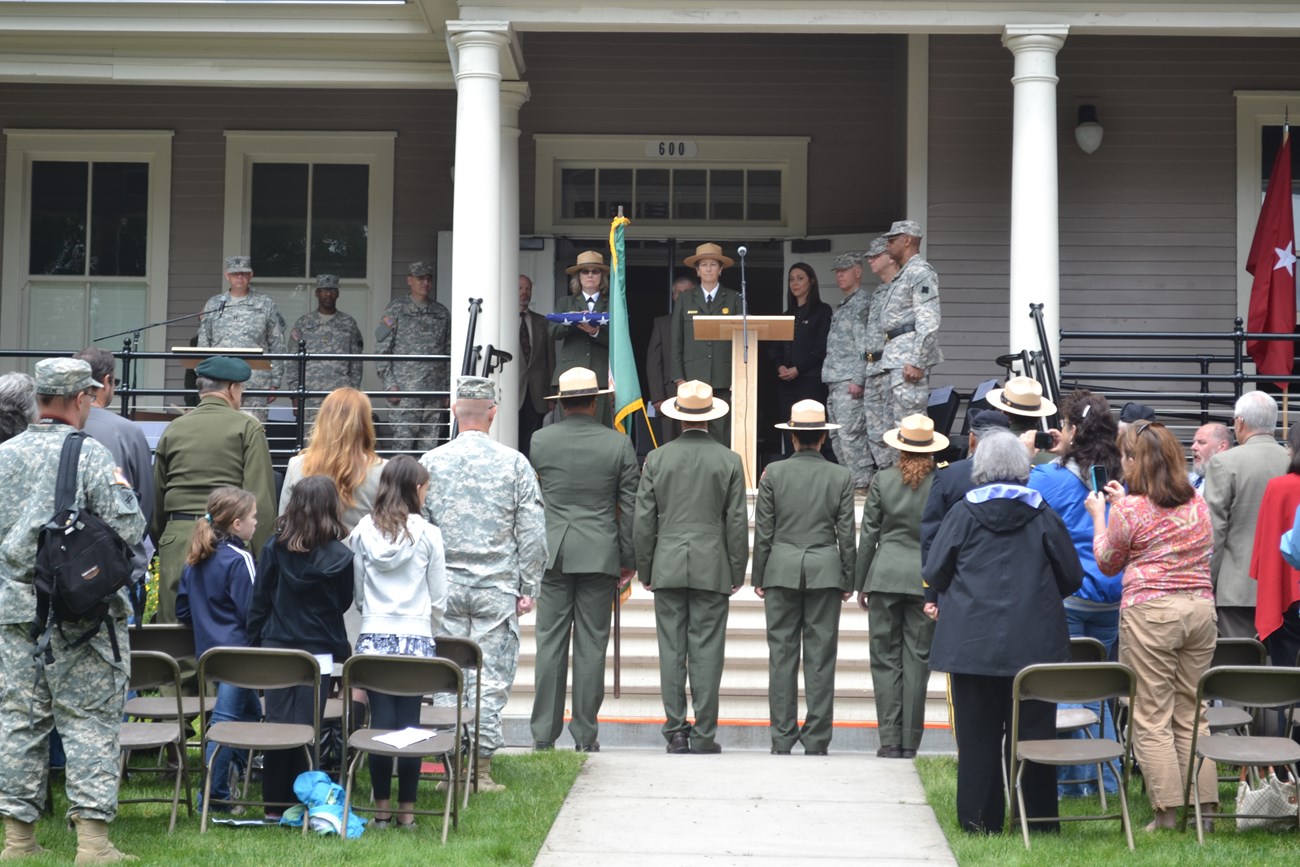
(1270, 798)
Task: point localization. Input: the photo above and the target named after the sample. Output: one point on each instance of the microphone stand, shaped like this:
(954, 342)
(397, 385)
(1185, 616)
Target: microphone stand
(130, 346)
(744, 309)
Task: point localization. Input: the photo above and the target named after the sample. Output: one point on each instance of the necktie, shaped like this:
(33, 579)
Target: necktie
(525, 345)
(591, 303)
(708, 299)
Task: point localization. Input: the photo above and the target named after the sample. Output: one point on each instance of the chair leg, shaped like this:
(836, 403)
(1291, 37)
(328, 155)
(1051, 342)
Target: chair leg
(451, 763)
(176, 795)
(307, 752)
(207, 790)
(1101, 787)
(1200, 832)
(182, 759)
(349, 771)
(1020, 800)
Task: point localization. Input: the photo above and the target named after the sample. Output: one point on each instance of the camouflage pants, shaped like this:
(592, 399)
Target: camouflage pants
(850, 440)
(257, 406)
(876, 404)
(486, 616)
(412, 424)
(907, 398)
(81, 694)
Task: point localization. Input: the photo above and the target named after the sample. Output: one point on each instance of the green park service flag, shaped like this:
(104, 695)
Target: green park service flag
(622, 363)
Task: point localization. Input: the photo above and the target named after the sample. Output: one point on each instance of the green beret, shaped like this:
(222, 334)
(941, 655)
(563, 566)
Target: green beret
(221, 368)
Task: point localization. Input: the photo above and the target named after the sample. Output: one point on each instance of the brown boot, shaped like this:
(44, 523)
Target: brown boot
(92, 843)
(20, 840)
(485, 781)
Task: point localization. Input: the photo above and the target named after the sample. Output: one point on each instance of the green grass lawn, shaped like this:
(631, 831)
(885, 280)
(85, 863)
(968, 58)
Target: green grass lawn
(505, 828)
(1094, 843)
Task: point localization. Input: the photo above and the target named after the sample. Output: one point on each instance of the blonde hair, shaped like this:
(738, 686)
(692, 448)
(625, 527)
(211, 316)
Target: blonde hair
(226, 505)
(342, 444)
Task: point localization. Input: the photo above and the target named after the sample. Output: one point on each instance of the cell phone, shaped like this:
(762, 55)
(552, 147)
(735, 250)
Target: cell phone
(1099, 477)
(1043, 439)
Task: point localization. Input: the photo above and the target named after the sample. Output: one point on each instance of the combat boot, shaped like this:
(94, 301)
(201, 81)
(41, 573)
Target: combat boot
(485, 781)
(20, 840)
(92, 843)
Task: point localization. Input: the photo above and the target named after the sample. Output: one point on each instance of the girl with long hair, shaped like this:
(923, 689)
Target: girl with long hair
(342, 447)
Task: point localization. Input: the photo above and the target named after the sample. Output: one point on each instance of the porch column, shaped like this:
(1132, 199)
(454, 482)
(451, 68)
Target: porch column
(476, 205)
(1035, 232)
(513, 95)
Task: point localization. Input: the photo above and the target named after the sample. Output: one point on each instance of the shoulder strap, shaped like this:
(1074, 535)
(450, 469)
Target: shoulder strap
(65, 489)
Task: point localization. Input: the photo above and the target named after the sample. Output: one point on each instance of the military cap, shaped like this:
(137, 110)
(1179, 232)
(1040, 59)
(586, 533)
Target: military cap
(63, 376)
(475, 388)
(878, 245)
(1135, 412)
(905, 227)
(984, 419)
(239, 265)
(222, 368)
(846, 261)
(420, 269)
(327, 281)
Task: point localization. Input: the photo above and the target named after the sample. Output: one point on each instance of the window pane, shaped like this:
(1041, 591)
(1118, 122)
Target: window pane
(652, 194)
(56, 316)
(340, 202)
(577, 194)
(119, 219)
(726, 194)
(764, 199)
(689, 194)
(115, 307)
(615, 190)
(279, 220)
(58, 244)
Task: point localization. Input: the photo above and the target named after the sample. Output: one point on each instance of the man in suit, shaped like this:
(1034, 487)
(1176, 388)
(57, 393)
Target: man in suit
(803, 572)
(659, 363)
(1234, 488)
(691, 541)
(705, 360)
(952, 482)
(588, 475)
(585, 344)
(539, 364)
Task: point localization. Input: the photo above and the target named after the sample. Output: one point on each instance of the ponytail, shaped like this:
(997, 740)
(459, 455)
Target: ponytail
(226, 505)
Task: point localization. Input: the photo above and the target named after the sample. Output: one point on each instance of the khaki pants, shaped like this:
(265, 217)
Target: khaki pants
(1168, 642)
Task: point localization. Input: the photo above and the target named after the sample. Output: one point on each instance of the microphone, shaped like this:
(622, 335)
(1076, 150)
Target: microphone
(741, 251)
(222, 310)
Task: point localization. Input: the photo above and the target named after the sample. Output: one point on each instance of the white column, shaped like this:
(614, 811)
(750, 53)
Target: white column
(513, 95)
(476, 206)
(1035, 230)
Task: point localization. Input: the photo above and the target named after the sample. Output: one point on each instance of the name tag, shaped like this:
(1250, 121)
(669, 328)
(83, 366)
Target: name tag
(691, 312)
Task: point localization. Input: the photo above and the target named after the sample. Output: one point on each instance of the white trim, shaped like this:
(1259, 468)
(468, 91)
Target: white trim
(148, 146)
(1255, 110)
(918, 132)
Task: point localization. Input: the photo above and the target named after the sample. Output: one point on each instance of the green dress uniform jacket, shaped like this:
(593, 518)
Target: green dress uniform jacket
(706, 360)
(889, 549)
(579, 349)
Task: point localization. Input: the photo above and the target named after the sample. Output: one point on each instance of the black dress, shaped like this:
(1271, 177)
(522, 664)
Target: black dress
(812, 325)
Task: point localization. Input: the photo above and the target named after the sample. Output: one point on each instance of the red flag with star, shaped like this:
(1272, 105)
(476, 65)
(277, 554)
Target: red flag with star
(1272, 263)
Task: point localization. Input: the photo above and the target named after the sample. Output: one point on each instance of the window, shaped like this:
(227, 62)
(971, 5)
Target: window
(716, 195)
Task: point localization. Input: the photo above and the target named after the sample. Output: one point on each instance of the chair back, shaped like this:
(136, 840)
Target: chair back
(1074, 682)
(465, 652)
(1084, 648)
(402, 675)
(151, 669)
(1251, 685)
(259, 667)
(1238, 651)
(177, 641)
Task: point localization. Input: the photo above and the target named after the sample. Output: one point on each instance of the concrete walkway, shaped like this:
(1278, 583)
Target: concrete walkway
(644, 807)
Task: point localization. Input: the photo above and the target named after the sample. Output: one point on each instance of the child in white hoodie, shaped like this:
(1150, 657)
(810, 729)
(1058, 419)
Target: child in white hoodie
(401, 590)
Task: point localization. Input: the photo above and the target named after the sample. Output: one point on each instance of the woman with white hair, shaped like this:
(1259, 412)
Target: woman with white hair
(17, 404)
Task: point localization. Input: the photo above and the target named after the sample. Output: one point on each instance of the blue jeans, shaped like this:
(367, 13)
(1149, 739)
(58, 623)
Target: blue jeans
(1103, 626)
(234, 704)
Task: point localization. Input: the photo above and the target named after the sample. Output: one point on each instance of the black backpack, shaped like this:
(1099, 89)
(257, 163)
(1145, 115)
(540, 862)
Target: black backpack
(81, 563)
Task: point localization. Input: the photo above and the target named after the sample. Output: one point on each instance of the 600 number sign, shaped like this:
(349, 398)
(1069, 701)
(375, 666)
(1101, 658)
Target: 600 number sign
(670, 148)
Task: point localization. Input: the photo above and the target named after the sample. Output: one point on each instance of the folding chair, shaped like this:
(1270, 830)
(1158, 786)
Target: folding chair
(1075, 683)
(1256, 686)
(466, 653)
(258, 668)
(1071, 719)
(1234, 651)
(407, 676)
(176, 641)
(150, 670)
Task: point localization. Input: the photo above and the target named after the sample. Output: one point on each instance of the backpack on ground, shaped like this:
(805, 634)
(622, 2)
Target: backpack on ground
(81, 563)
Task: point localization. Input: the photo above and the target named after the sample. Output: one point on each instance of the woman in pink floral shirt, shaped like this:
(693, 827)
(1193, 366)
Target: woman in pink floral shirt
(1160, 535)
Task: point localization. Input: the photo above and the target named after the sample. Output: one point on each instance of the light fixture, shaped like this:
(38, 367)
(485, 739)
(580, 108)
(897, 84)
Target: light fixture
(1089, 132)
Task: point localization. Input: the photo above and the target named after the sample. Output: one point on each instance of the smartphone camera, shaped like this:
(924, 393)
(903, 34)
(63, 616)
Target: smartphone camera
(1043, 439)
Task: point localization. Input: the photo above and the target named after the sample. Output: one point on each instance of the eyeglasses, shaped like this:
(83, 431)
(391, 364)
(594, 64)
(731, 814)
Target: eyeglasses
(590, 271)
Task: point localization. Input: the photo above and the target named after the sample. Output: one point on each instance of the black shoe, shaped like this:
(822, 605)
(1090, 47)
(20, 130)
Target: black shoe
(907, 753)
(808, 752)
(593, 747)
(712, 749)
(679, 743)
(542, 746)
(777, 752)
(890, 751)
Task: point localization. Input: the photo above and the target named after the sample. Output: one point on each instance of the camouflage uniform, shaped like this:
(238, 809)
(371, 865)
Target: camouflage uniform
(326, 335)
(408, 328)
(912, 303)
(845, 365)
(252, 320)
(484, 498)
(876, 397)
(82, 691)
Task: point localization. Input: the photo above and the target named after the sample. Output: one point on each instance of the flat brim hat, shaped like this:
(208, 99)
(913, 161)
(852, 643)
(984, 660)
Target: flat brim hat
(807, 415)
(578, 382)
(1022, 395)
(694, 402)
(223, 368)
(588, 259)
(916, 434)
(63, 376)
(708, 251)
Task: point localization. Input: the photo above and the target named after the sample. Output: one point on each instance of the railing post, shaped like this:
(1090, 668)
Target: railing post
(300, 426)
(128, 365)
(1205, 390)
(1238, 356)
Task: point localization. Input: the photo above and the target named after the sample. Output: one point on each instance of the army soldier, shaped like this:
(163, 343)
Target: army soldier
(803, 572)
(327, 331)
(414, 325)
(484, 498)
(244, 318)
(876, 393)
(844, 372)
(588, 475)
(585, 345)
(82, 691)
(910, 319)
(691, 539)
(705, 360)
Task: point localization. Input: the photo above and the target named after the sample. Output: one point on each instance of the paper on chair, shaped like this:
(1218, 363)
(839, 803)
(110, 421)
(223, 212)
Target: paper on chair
(403, 738)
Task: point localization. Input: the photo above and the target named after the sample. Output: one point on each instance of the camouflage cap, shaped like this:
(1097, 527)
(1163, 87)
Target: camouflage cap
(327, 281)
(878, 245)
(63, 376)
(222, 368)
(239, 265)
(905, 227)
(420, 269)
(846, 261)
(475, 388)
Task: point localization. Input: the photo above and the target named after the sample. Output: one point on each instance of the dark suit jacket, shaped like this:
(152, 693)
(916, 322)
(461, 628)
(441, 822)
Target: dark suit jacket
(588, 475)
(577, 348)
(659, 359)
(539, 367)
(950, 484)
(706, 360)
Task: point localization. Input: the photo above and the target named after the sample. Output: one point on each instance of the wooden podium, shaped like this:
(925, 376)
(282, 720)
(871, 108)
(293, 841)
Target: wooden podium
(744, 378)
(192, 356)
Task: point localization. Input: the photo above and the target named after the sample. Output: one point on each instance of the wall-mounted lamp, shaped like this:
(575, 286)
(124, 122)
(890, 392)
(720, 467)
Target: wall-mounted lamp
(1089, 132)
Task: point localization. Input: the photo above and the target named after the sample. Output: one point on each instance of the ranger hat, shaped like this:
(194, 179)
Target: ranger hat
(845, 261)
(223, 368)
(588, 259)
(905, 227)
(708, 251)
(327, 281)
(1022, 395)
(878, 246)
(63, 376)
(694, 402)
(807, 415)
(916, 434)
(239, 265)
(475, 388)
(578, 382)
(420, 269)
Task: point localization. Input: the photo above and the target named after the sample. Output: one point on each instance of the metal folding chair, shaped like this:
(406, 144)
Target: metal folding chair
(466, 653)
(1071, 719)
(150, 670)
(176, 641)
